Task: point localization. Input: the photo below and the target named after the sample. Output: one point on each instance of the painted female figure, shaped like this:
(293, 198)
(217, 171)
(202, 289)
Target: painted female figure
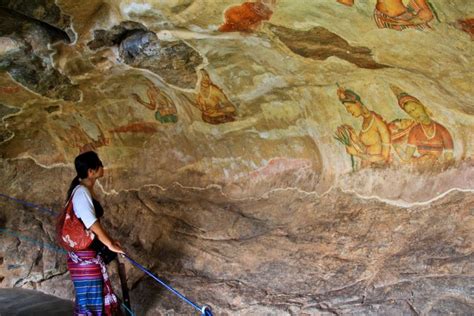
(427, 140)
(248, 16)
(395, 15)
(372, 143)
(213, 103)
(165, 110)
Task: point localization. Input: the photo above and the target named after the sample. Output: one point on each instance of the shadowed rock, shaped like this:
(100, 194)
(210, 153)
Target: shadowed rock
(174, 61)
(318, 43)
(45, 11)
(106, 38)
(28, 60)
(6, 110)
(5, 134)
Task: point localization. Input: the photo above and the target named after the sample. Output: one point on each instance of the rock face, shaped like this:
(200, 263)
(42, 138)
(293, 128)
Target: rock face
(320, 44)
(174, 61)
(26, 56)
(264, 157)
(45, 11)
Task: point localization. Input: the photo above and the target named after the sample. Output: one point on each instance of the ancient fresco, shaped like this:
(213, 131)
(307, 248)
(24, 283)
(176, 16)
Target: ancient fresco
(222, 124)
(372, 143)
(466, 25)
(395, 15)
(9, 89)
(416, 139)
(80, 135)
(248, 16)
(160, 103)
(213, 103)
(427, 141)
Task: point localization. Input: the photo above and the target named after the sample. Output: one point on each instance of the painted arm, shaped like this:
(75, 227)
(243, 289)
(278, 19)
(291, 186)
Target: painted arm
(348, 3)
(384, 135)
(355, 148)
(448, 144)
(139, 100)
(405, 155)
(425, 14)
(220, 97)
(104, 237)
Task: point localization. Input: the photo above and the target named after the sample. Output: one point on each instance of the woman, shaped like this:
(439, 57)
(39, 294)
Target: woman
(428, 141)
(94, 295)
(213, 103)
(372, 144)
(248, 16)
(394, 14)
(165, 110)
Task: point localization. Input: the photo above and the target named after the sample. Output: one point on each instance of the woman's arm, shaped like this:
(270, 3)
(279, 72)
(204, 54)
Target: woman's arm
(105, 238)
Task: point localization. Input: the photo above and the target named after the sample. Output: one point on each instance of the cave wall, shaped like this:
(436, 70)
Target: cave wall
(233, 166)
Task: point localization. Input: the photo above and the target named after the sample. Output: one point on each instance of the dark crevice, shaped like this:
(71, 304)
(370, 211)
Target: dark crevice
(29, 60)
(174, 61)
(45, 12)
(12, 21)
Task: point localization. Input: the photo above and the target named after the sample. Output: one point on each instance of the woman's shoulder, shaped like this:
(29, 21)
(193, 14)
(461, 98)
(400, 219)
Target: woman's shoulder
(81, 190)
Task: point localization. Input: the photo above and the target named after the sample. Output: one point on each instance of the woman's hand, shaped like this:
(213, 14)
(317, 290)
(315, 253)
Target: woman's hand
(116, 247)
(113, 245)
(351, 150)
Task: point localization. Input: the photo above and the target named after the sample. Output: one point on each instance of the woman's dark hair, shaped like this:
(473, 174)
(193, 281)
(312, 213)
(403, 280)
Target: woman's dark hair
(82, 163)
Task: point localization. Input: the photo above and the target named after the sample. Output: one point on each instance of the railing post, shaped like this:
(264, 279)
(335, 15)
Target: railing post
(123, 281)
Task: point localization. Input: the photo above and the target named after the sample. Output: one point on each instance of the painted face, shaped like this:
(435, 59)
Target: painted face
(416, 111)
(354, 108)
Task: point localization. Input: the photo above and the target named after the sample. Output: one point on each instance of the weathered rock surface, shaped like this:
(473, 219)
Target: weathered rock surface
(306, 199)
(320, 44)
(174, 61)
(46, 11)
(27, 55)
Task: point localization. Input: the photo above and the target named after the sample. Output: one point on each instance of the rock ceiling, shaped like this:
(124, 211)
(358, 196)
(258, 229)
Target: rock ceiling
(333, 127)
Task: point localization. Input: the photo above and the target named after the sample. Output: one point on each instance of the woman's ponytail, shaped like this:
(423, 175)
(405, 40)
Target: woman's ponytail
(74, 183)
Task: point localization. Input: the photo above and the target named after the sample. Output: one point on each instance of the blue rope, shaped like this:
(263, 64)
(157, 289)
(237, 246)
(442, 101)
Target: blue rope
(49, 246)
(37, 242)
(26, 203)
(204, 310)
(127, 309)
(32, 240)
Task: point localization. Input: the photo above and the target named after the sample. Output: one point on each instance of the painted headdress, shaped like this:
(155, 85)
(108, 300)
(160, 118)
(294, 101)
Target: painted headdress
(346, 95)
(403, 97)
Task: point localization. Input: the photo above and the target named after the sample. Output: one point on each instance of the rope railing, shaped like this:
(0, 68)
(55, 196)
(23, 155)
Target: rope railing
(26, 203)
(204, 310)
(47, 246)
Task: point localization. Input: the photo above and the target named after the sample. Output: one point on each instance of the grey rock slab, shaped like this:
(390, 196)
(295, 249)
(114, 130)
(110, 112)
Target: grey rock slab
(21, 302)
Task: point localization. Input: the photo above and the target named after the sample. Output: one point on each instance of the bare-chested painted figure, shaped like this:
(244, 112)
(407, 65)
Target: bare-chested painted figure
(395, 15)
(372, 143)
(165, 110)
(213, 103)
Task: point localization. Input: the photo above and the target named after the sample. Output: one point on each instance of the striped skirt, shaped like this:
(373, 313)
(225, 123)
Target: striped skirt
(384, 21)
(94, 295)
